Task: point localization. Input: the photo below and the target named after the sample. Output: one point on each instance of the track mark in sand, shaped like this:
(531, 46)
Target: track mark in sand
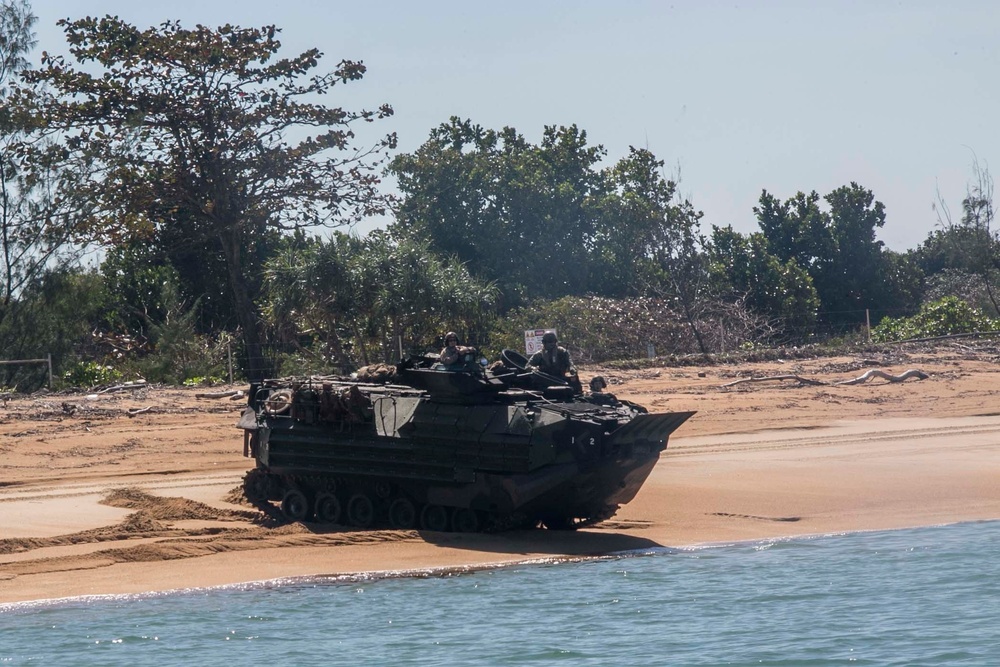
(833, 439)
(759, 518)
(44, 489)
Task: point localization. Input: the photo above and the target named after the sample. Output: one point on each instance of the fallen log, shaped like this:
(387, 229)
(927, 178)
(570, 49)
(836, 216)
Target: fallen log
(217, 394)
(132, 412)
(124, 387)
(902, 377)
(797, 378)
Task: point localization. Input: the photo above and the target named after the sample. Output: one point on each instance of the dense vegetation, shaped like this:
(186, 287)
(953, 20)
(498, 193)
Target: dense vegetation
(171, 199)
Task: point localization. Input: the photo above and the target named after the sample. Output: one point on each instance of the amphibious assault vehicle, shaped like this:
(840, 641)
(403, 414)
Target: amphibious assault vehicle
(460, 448)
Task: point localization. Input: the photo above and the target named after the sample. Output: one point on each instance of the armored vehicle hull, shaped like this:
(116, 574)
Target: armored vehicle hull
(440, 449)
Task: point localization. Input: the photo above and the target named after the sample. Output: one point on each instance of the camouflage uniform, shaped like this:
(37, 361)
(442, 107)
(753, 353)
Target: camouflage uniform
(554, 362)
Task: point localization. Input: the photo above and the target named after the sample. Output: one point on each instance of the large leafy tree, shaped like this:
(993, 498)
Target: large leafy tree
(207, 140)
(853, 278)
(632, 210)
(796, 229)
(545, 220)
(837, 247)
(520, 214)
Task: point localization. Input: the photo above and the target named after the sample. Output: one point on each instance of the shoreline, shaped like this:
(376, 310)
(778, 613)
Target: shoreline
(442, 571)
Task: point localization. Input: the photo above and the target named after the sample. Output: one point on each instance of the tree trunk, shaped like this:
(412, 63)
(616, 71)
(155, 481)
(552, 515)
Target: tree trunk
(256, 365)
(689, 315)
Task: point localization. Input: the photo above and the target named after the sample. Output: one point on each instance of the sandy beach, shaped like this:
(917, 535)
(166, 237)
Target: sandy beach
(94, 501)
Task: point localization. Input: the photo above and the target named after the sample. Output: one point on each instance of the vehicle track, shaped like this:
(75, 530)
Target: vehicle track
(157, 481)
(823, 438)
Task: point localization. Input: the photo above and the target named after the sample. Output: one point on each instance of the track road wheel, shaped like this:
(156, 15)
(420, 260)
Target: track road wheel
(327, 509)
(465, 520)
(383, 490)
(402, 514)
(256, 486)
(360, 511)
(434, 517)
(295, 505)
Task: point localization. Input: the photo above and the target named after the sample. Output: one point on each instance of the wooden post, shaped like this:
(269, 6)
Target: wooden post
(868, 327)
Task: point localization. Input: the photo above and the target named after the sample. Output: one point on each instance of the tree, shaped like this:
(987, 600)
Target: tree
(903, 283)
(666, 231)
(745, 269)
(37, 209)
(972, 239)
(414, 295)
(18, 237)
(545, 221)
(838, 248)
(309, 288)
(626, 227)
(520, 215)
(358, 298)
(30, 236)
(796, 229)
(206, 138)
(850, 281)
(141, 285)
(949, 269)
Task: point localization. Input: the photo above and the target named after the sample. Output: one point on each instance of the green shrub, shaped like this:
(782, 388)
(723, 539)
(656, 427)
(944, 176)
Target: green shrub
(202, 381)
(944, 317)
(90, 374)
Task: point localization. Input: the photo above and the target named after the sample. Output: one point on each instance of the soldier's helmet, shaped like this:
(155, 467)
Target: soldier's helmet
(549, 338)
(449, 336)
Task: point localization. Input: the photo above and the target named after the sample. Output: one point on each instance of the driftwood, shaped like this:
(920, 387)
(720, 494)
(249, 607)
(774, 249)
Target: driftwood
(132, 412)
(124, 387)
(797, 378)
(912, 373)
(218, 394)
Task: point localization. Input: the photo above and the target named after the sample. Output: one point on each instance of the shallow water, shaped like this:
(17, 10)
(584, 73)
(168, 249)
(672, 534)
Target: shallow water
(928, 596)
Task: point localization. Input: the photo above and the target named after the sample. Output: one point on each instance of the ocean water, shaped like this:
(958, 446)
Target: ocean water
(928, 596)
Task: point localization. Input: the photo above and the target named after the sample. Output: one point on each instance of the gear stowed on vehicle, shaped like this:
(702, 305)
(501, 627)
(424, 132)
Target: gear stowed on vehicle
(421, 445)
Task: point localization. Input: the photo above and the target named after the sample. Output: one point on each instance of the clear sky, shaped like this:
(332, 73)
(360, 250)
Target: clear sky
(898, 96)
